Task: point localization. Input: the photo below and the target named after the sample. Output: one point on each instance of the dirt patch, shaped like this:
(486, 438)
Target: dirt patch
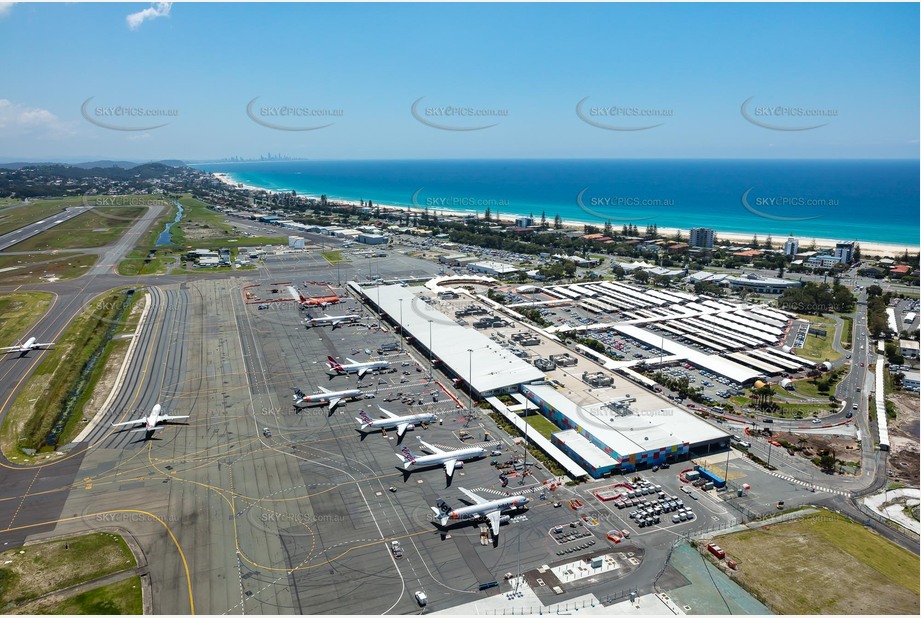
(904, 463)
(193, 232)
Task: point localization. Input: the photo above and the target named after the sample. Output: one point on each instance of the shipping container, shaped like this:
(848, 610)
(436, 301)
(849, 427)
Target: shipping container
(716, 550)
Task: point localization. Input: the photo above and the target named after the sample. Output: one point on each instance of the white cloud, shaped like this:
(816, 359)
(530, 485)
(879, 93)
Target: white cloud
(16, 119)
(5, 8)
(159, 9)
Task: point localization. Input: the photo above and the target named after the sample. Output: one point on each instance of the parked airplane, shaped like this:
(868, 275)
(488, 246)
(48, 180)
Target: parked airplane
(481, 508)
(334, 320)
(402, 423)
(353, 366)
(151, 422)
(302, 400)
(24, 348)
(449, 459)
(317, 301)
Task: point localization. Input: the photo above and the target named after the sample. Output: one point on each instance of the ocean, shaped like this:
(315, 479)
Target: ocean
(871, 201)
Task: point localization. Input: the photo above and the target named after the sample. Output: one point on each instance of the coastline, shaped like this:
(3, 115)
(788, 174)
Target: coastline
(866, 247)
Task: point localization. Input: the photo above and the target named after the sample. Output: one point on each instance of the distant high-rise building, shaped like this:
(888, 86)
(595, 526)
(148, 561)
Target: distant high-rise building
(845, 251)
(702, 237)
(791, 247)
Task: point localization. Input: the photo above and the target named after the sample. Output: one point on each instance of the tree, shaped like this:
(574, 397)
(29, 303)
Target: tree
(608, 230)
(641, 275)
(557, 222)
(769, 242)
(543, 220)
(488, 215)
(619, 272)
(755, 243)
(856, 256)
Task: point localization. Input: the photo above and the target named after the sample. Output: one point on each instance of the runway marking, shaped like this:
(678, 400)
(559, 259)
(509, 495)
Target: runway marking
(24, 496)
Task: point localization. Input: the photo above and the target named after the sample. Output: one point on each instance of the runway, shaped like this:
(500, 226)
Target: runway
(33, 229)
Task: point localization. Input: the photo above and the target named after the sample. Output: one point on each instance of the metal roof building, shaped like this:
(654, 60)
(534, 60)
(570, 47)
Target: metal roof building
(495, 369)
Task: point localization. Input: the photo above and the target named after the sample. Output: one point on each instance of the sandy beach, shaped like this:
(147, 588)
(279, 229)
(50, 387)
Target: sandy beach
(867, 248)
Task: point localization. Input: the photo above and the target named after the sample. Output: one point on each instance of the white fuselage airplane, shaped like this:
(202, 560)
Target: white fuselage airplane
(24, 348)
(402, 423)
(449, 459)
(482, 508)
(353, 366)
(302, 400)
(151, 422)
(334, 320)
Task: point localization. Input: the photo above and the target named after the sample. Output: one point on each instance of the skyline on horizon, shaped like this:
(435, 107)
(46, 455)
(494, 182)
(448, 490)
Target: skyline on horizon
(641, 81)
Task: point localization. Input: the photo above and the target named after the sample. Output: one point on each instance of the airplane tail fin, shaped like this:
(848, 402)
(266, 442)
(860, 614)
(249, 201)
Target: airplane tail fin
(442, 511)
(298, 393)
(364, 418)
(333, 363)
(408, 457)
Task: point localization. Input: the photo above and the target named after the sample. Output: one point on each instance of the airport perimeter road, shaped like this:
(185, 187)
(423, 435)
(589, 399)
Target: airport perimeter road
(28, 231)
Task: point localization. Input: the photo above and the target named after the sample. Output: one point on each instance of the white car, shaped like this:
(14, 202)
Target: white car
(421, 599)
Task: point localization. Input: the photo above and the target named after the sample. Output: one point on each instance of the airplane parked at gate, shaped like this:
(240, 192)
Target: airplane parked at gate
(449, 459)
(402, 423)
(335, 320)
(302, 400)
(353, 366)
(481, 508)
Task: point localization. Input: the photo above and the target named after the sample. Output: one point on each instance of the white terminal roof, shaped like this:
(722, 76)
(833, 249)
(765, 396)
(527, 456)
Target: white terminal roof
(716, 364)
(494, 367)
(635, 431)
(581, 446)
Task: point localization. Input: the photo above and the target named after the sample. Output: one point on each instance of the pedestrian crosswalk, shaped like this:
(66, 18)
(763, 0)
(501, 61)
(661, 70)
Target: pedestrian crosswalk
(808, 485)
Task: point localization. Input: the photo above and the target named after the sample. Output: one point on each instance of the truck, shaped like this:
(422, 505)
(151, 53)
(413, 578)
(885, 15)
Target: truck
(396, 549)
(716, 550)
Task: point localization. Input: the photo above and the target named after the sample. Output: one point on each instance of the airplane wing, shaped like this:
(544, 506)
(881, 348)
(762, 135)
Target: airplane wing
(449, 467)
(362, 372)
(12, 348)
(137, 422)
(477, 499)
(324, 390)
(434, 449)
(171, 418)
(43, 346)
(401, 429)
(387, 412)
(145, 429)
(333, 402)
(493, 517)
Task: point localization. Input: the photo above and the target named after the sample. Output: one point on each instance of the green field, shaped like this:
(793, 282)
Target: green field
(808, 389)
(820, 348)
(94, 228)
(121, 598)
(34, 412)
(46, 567)
(18, 312)
(137, 262)
(334, 256)
(824, 564)
(45, 265)
(541, 424)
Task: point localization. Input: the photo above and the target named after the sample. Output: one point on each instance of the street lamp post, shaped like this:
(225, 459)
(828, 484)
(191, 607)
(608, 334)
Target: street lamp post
(401, 325)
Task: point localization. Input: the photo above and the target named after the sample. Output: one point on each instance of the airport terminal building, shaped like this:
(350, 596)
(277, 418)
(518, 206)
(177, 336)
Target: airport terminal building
(612, 436)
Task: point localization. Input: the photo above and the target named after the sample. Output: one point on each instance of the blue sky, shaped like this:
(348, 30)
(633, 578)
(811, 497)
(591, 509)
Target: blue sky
(687, 68)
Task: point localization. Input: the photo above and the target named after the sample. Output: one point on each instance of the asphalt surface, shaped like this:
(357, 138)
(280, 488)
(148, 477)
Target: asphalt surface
(17, 236)
(234, 520)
